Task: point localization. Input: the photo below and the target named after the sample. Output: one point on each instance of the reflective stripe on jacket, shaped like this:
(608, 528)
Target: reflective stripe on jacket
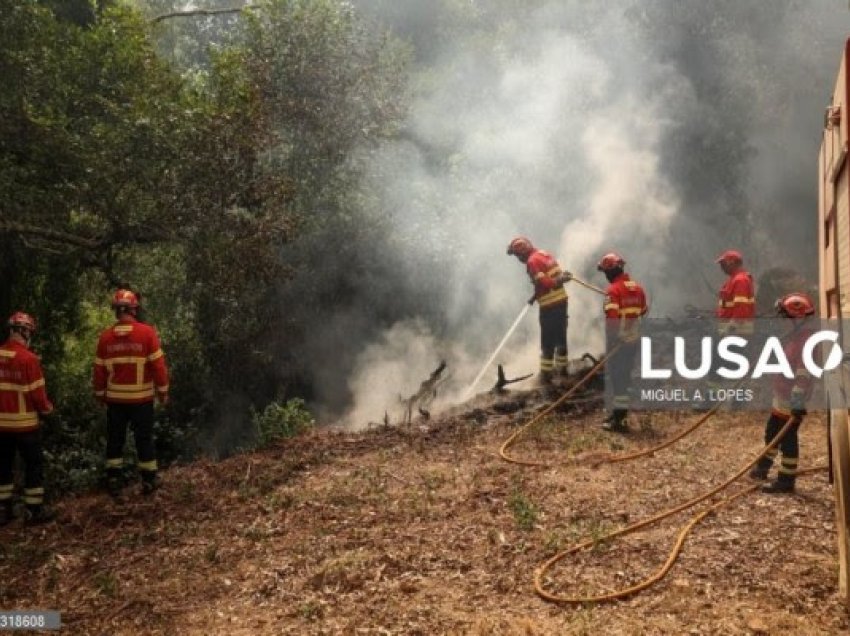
(736, 304)
(543, 269)
(129, 364)
(22, 392)
(625, 303)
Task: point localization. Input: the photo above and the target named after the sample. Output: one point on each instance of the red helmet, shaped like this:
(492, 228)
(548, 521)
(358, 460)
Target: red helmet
(795, 305)
(125, 298)
(20, 319)
(730, 257)
(520, 246)
(610, 261)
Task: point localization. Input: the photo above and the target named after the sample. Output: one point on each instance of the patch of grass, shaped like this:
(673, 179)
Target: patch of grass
(310, 611)
(587, 440)
(597, 530)
(525, 513)
(582, 529)
(106, 583)
(282, 501)
(553, 543)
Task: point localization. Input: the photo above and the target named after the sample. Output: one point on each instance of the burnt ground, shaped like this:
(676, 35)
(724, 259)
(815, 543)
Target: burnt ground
(425, 530)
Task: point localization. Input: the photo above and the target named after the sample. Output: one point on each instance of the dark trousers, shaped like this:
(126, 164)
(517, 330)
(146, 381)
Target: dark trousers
(619, 368)
(553, 338)
(29, 446)
(140, 418)
(789, 446)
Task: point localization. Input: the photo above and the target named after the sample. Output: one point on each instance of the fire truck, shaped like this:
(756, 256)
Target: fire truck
(834, 289)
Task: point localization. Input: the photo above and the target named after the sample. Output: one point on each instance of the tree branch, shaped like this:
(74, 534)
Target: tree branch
(10, 227)
(182, 14)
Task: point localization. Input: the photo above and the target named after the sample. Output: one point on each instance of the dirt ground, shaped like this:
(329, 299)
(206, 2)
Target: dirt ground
(426, 530)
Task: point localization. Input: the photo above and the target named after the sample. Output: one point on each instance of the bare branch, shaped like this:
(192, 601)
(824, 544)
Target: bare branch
(183, 14)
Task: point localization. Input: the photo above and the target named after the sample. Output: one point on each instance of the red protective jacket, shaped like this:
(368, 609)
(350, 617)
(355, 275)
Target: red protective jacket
(801, 384)
(129, 364)
(736, 303)
(542, 268)
(22, 392)
(625, 302)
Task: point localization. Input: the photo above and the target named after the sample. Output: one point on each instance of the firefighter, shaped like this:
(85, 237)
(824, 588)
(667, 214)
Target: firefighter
(625, 303)
(789, 397)
(23, 398)
(129, 372)
(736, 303)
(548, 279)
(735, 312)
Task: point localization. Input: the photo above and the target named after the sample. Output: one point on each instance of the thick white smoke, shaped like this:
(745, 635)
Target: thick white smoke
(589, 128)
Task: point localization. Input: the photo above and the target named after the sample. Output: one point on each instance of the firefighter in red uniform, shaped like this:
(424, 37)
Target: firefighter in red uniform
(129, 371)
(735, 312)
(789, 397)
(548, 279)
(736, 304)
(22, 398)
(625, 303)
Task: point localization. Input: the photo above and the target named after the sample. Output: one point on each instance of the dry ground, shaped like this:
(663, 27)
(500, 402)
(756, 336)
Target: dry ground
(427, 531)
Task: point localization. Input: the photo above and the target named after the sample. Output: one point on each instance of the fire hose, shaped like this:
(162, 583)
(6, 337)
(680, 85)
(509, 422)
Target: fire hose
(677, 547)
(593, 460)
(503, 450)
(683, 533)
(598, 290)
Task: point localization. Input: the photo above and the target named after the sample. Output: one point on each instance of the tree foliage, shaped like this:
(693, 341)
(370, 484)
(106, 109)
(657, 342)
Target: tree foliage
(204, 181)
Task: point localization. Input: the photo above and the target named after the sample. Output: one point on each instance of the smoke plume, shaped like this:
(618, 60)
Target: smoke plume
(666, 130)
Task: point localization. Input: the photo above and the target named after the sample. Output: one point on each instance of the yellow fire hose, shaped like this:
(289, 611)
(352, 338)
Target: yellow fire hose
(503, 450)
(598, 290)
(592, 460)
(677, 547)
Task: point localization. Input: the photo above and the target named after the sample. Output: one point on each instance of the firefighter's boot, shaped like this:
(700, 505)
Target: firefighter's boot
(616, 422)
(38, 513)
(783, 484)
(7, 513)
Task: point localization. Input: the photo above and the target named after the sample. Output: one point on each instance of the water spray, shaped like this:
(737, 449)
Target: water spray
(513, 327)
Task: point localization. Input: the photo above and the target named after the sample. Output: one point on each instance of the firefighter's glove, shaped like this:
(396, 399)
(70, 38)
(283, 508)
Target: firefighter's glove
(565, 277)
(532, 299)
(798, 414)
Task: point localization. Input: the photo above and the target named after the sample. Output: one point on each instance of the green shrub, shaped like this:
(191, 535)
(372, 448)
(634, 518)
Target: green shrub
(278, 421)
